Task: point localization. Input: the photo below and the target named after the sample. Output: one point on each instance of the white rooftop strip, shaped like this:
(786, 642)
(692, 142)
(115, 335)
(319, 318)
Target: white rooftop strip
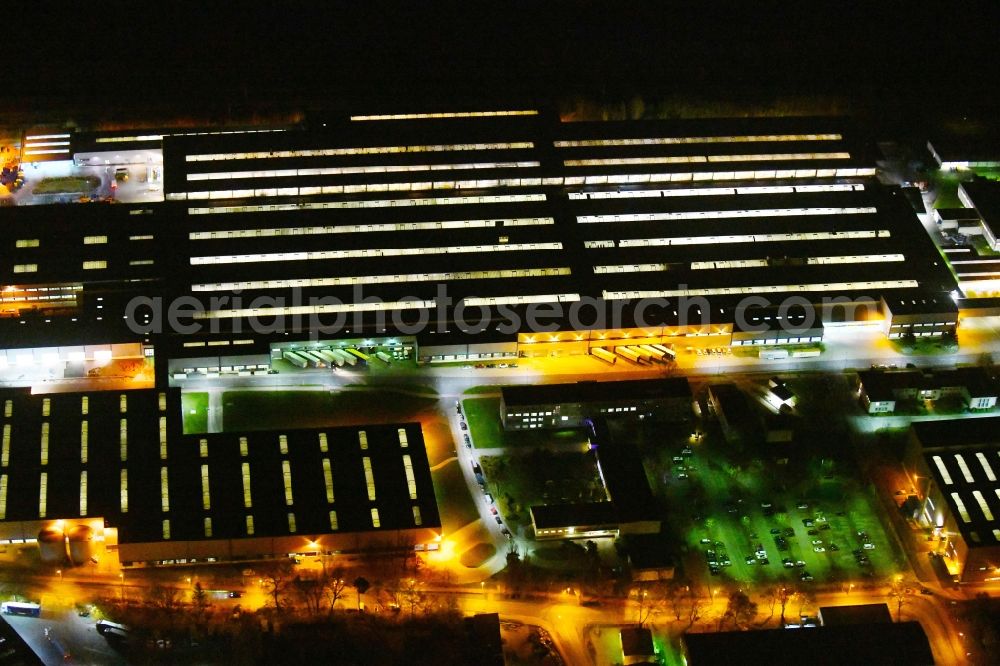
(380, 306)
(48, 144)
(372, 203)
(383, 279)
(753, 238)
(364, 150)
(670, 141)
(39, 137)
(365, 228)
(360, 188)
(631, 268)
(942, 470)
(725, 214)
(983, 506)
(718, 191)
(158, 137)
(348, 170)
(50, 151)
(964, 468)
(373, 252)
(810, 261)
(961, 507)
(987, 468)
(707, 159)
(761, 289)
(521, 300)
(451, 114)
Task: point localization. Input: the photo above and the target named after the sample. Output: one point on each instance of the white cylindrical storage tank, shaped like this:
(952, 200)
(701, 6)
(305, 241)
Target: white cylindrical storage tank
(81, 544)
(52, 545)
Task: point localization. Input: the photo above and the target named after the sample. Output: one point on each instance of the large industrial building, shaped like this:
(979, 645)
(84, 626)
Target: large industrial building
(460, 228)
(954, 465)
(110, 472)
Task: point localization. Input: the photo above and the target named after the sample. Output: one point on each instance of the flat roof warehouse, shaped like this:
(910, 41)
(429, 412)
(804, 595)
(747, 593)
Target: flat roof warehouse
(122, 457)
(512, 212)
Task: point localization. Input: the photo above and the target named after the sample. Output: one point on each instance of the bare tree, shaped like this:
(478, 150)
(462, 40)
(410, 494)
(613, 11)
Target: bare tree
(334, 585)
(694, 610)
(899, 594)
(740, 610)
(411, 596)
(676, 593)
(784, 595)
(310, 592)
(275, 577)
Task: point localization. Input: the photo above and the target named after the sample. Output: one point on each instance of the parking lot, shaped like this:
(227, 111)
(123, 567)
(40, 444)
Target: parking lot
(744, 523)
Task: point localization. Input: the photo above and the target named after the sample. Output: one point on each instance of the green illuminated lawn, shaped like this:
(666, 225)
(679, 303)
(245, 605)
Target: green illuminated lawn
(269, 410)
(454, 502)
(194, 407)
(483, 417)
(67, 185)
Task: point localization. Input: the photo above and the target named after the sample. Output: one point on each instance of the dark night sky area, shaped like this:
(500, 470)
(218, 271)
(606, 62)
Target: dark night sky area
(401, 55)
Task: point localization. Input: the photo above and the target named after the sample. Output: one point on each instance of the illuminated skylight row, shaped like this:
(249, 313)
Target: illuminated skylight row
(349, 170)
(987, 468)
(725, 214)
(451, 114)
(383, 306)
(512, 273)
(718, 191)
(743, 263)
(159, 137)
(370, 228)
(372, 203)
(707, 159)
(365, 150)
(964, 468)
(983, 506)
(761, 289)
(961, 508)
(680, 140)
(752, 238)
(374, 252)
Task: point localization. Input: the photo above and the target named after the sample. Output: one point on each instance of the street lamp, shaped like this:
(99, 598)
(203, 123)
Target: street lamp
(121, 575)
(59, 571)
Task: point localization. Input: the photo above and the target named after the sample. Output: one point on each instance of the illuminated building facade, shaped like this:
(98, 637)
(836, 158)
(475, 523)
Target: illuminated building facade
(118, 465)
(953, 466)
(637, 232)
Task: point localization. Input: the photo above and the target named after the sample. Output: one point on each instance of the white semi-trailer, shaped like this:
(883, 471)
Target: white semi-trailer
(295, 359)
(345, 357)
(604, 355)
(627, 354)
(315, 359)
(385, 358)
(670, 354)
(655, 353)
(644, 356)
(331, 358)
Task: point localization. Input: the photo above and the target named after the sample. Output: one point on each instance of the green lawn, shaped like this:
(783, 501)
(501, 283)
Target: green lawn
(194, 407)
(483, 417)
(454, 502)
(269, 410)
(486, 388)
(67, 185)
